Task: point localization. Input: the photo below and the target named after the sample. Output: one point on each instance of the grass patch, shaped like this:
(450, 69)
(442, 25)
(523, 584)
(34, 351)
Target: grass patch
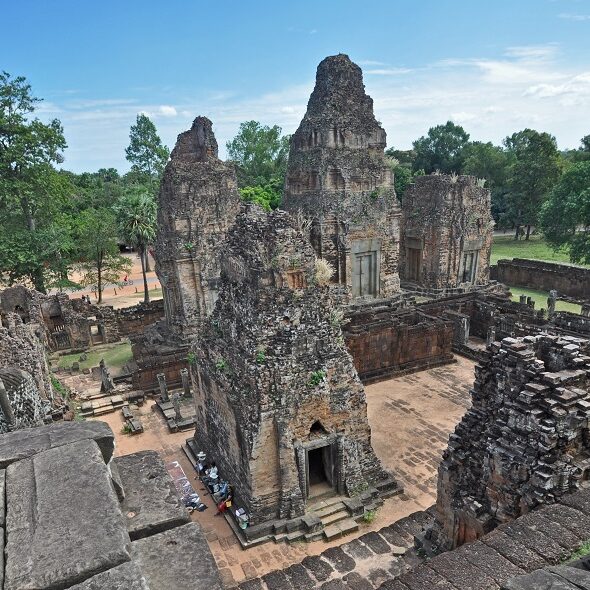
(154, 294)
(536, 248)
(369, 516)
(581, 552)
(540, 298)
(115, 356)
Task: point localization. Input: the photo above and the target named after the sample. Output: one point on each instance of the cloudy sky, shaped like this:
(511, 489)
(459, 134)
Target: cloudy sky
(495, 67)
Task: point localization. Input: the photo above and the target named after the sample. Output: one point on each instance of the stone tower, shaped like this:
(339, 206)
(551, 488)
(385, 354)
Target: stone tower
(524, 441)
(339, 178)
(280, 407)
(197, 205)
(447, 232)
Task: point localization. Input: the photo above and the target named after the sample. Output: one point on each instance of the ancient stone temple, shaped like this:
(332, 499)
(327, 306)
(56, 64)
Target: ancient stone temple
(523, 443)
(21, 405)
(338, 178)
(447, 232)
(198, 202)
(280, 407)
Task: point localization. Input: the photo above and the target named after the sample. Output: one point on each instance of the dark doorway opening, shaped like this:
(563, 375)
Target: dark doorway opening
(317, 471)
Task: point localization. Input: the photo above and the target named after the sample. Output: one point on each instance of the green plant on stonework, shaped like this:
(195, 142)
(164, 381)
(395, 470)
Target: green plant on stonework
(260, 357)
(294, 262)
(317, 377)
(126, 428)
(189, 246)
(59, 387)
(191, 358)
(369, 516)
(221, 364)
(336, 317)
(582, 551)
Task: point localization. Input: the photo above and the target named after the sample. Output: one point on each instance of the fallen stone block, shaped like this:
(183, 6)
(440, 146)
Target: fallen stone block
(21, 444)
(177, 558)
(63, 521)
(151, 504)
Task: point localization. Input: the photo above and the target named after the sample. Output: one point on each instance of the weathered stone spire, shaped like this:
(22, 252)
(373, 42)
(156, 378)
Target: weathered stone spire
(197, 205)
(339, 178)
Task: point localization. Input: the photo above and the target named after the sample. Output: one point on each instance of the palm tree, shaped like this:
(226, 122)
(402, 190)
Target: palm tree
(137, 219)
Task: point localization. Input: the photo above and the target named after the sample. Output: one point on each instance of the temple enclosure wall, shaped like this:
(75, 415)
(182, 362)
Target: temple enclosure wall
(573, 281)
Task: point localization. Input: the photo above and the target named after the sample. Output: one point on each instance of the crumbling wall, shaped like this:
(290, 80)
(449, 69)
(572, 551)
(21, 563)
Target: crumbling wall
(339, 180)
(21, 405)
(384, 343)
(447, 232)
(197, 205)
(133, 320)
(272, 374)
(22, 346)
(573, 281)
(524, 442)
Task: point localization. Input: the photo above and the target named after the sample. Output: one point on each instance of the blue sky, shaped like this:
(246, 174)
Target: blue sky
(494, 66)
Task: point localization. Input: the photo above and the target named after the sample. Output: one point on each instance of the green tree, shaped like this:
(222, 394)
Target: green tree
(441, 149)
(100, 262)
(137, 224)
(146, 152)
(260, 153)
(565, 216)
(265, 196)
(31, 191)
(534, 171)
(491, 162)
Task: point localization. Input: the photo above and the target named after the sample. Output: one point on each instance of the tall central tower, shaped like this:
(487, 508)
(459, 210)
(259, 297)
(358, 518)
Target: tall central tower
(339, 179)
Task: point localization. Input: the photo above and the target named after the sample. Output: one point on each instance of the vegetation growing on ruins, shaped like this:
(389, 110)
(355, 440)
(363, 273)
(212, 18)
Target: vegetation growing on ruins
(317, 377)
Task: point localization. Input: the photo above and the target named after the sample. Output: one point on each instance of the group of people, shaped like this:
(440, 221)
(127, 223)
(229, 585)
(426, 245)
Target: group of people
(221, 491)
(86, 298)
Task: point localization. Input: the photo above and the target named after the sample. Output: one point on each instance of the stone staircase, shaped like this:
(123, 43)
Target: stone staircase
(335, 517)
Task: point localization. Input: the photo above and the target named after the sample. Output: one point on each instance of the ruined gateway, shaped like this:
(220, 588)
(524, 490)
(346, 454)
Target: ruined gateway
(280, 407)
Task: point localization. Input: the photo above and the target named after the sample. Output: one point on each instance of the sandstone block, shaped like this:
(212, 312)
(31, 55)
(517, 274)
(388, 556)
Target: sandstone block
(177, 558)
(63, 521)
(151, 504)
(26, 443)
(126, 576)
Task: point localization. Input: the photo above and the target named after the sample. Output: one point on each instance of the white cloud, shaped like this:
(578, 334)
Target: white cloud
(388, 71)
(167, 111)
(491, 96)
(370, 62)
(574, 17)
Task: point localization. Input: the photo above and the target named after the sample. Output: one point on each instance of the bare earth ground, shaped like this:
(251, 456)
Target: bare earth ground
(411, 418)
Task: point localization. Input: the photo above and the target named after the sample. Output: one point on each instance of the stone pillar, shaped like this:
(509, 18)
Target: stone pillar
(107, 383)
(551, 301)
(522, 299)
(530, 302)
(464, 334)
(175, 397)
(491, 336)
(186, 384)
(163, 387)
(586, 310)
(291, 498)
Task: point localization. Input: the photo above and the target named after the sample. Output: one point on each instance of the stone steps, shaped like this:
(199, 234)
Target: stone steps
(328, 510)
(335, 517)
(340, 528)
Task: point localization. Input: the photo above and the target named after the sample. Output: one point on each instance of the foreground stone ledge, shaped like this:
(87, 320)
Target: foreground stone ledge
(63, 522)
(123, 577)
(178, 558)
(22, 444)
(151, 504)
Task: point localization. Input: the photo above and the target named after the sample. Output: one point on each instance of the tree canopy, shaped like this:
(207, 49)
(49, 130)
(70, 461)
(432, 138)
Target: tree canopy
(441, 149)
(146, 152)
(565, 216)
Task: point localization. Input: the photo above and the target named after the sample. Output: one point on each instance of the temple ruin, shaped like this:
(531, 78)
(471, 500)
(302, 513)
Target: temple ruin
(447, 232)
(281, 410)
(197, 205)
(523, 443)
(339, 180)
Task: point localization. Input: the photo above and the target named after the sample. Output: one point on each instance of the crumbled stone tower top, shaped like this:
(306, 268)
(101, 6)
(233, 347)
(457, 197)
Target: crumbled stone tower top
(198, 144)
(339, 98)
(197, 204)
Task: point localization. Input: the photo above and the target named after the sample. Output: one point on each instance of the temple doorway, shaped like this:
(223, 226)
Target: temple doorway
(319, 471)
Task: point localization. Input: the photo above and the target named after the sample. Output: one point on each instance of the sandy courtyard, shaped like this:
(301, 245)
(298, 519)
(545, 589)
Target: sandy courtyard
(411, 418)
